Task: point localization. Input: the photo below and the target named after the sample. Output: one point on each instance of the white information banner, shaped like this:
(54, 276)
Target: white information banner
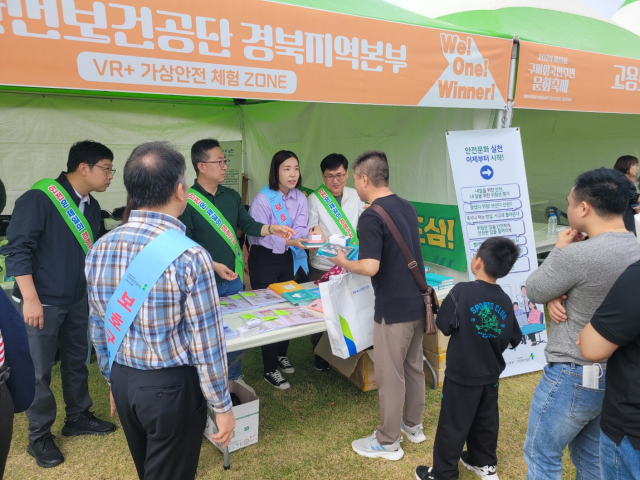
(233, 151)
(493, 199)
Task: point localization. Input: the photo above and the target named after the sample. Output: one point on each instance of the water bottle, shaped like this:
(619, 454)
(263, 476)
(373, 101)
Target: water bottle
(552, 226)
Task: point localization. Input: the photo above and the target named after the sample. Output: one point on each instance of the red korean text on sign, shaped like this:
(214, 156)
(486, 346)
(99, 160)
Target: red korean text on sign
(126, 301)
(116, 320)
(111, 338)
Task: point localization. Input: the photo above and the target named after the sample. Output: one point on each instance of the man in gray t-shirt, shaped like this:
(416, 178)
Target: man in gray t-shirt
(579, 273)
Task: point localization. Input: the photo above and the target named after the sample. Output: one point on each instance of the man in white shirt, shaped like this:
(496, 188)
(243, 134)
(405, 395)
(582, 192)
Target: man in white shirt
(334, 209)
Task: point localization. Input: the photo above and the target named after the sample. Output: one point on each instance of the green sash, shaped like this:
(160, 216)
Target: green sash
(71, 213)
(306, 191)
(335, 212)
(220, 224)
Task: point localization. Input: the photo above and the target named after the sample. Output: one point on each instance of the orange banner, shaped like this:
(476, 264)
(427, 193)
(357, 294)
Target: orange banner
(553, 78)
(246, 49)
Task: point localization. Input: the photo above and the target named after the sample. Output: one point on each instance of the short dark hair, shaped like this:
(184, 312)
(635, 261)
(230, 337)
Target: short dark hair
(200, 151)
(374, 165)
(152, 173)
(516, 304)
(89, 152)
(498, 255)
(333, 161)
(278, 159)
(605, 189)
(624, 163)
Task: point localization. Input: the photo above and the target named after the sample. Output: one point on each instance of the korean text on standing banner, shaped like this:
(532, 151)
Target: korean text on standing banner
(493, 200)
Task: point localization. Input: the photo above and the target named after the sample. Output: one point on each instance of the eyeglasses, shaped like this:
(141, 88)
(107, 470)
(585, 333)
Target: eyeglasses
(109, 170)
(331, 178)
(221, 162)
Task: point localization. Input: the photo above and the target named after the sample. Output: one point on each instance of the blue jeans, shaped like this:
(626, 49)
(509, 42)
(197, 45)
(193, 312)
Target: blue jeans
(227, 289)
(618, 462)
(563, 413)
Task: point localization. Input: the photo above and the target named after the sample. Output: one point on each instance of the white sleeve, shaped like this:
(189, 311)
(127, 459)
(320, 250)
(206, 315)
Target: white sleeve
(314, 216)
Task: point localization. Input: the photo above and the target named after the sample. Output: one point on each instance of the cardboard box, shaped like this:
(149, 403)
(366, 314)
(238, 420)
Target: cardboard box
(247, 416)
(436, 343)
(439, 363)
(358, 368)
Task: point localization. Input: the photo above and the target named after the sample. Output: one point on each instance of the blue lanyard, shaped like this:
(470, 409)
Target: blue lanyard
(139, 278)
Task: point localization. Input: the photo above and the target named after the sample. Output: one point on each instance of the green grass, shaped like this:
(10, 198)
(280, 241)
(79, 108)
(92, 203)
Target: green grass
(305, 432)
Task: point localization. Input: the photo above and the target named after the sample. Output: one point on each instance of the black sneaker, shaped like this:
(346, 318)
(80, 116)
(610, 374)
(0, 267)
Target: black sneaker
(488, 472)
(285, 365)
(275, 379)
(45, 451)
(86, 423)
(321, 364)
(424, 473)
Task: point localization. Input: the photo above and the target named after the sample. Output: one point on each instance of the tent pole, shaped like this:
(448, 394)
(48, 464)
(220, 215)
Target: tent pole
(505, 115)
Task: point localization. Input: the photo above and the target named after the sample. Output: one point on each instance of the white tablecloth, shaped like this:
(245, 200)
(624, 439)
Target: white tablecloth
(234, 321)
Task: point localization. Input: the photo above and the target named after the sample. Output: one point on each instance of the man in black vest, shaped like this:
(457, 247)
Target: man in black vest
(47, 259)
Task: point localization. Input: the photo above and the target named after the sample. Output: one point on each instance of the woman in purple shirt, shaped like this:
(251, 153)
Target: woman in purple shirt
(271, 259)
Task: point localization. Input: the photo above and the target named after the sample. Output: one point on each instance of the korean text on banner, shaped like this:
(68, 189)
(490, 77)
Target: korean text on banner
(348, 304)
(554, 78)
(493, 200)
(247, 49)
(441, 239)
(233, 152)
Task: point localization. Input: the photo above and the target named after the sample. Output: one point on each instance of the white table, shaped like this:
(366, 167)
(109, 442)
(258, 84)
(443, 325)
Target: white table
(288, 333)
(267, 338)
(544, 241)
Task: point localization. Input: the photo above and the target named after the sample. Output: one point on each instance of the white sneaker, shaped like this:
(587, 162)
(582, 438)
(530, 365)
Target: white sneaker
(414, 434)
(488, 472)
(369, 447)
(244, 384)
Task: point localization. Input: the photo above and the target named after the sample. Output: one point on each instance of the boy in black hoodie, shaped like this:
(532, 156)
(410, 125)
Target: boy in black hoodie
(480, 318)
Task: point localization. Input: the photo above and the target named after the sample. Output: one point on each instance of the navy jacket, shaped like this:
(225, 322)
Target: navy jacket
(22, 376)
(41, 244)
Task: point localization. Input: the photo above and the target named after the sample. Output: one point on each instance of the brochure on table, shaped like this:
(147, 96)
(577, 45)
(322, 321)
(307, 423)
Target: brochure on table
(493, 200)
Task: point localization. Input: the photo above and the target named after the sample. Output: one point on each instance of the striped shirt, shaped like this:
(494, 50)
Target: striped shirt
(180, 322)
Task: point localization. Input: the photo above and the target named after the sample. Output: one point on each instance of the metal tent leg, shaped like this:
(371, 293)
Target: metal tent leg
(434, 385)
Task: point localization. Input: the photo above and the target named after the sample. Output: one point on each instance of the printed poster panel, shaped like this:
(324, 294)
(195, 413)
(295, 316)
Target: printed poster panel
(493, 199)
(554, 78)
(246, 49)
(233, 152)
(441, 238)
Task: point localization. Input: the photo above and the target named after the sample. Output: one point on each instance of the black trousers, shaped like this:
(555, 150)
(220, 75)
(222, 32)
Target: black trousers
(64, 327)
(265, 268)
(467, 414)
(163, 414)
(6, 425)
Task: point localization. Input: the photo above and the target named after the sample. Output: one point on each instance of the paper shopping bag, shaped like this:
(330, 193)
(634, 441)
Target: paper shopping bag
(348, 303)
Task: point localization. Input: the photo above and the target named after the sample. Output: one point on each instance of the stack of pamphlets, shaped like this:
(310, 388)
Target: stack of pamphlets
(229, 332)
(314, 241)
(439, 282)
(297, 316)
(261, 298)
(331, 250)
(234, 303)
(315, 292)
(271, 320)
(282, 287)
(298, 297)
(316, 306)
